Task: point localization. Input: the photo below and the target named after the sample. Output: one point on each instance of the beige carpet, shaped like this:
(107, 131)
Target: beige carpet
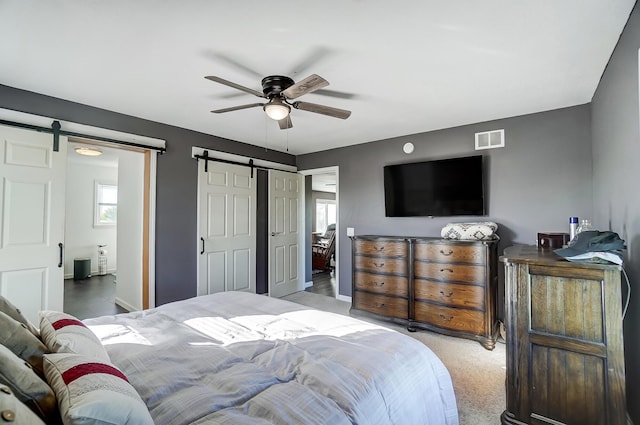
(478, 374)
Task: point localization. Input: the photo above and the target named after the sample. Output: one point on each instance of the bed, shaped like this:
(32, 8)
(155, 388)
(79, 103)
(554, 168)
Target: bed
(239, 358)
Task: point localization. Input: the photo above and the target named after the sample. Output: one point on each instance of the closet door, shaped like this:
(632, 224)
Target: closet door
(32, 203)
(227, 227)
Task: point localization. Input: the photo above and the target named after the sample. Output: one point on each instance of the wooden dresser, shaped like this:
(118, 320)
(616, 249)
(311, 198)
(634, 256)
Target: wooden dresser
(565, 357)
(441, 285)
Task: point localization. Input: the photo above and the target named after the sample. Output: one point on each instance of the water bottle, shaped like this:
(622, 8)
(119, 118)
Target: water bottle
(573, 227)
(585, 225)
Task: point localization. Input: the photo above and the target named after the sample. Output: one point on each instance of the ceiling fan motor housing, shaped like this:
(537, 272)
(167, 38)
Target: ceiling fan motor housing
(273, 85)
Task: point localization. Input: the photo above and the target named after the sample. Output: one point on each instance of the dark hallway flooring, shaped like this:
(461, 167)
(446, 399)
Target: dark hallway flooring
(96, 295)
(324, 283)
(91, 297)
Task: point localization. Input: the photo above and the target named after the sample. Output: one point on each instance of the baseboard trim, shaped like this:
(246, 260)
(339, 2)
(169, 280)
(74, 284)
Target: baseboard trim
(93, 274)
(125, 305)
(344, 298)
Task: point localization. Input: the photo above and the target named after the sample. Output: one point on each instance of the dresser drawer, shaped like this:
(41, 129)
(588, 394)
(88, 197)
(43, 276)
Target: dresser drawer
(382, 284)
(381, 248)
(466, 296)
(450, 253)
(457, 319)
(379, 304)
(381, 265)
(450, 272)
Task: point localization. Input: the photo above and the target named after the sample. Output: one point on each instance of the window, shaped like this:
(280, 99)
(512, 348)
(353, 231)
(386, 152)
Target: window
(325, 214)
(106, 204)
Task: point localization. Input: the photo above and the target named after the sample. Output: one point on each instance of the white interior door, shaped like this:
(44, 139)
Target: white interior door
(32, 202)
(227, 222)
(285, 236)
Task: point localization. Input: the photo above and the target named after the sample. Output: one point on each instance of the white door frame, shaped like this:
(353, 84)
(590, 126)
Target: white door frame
(336, 170)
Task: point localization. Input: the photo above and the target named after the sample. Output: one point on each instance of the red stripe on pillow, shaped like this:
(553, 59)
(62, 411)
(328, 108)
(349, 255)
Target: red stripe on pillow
(84, 369)
(58, 324)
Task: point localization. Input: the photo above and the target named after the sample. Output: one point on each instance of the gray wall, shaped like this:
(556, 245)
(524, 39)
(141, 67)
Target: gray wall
(616, 170)
(541, 177)
(176, 239)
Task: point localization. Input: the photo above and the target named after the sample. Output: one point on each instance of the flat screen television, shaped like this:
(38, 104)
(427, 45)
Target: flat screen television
(446, 187)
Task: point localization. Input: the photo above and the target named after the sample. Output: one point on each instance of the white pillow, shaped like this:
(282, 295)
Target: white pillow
(63, 333)
(474, 231)
(93, 392)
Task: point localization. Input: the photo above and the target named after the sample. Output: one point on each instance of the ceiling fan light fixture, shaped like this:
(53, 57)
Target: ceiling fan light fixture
(86, 151)
(276, 110)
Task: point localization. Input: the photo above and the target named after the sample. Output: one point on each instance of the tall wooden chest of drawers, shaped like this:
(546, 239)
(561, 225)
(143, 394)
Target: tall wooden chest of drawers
(565, 357)
(441, 285)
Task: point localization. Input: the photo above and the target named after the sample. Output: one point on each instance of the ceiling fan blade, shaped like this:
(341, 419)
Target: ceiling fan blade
(336, 94)
(237, 108)
(317, 54)
(219, 56)
(285, 123)
(322, 109)
(309, 84)
(234, 85)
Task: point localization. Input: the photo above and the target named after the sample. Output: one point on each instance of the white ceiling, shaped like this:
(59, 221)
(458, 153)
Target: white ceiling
(325, 182)
(109, 157)
(411, 66)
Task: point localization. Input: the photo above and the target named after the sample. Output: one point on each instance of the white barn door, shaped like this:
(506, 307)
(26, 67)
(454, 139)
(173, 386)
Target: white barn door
(32, 200)
(227, 222)
(285, 233)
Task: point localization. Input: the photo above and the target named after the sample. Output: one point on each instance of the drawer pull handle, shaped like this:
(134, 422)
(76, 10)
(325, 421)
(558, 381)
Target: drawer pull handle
(443, 317)
(378, 265)
(446, 253)
(379, 305)
(446, 295)
(446, 270)
(378, 283)
(379, 248)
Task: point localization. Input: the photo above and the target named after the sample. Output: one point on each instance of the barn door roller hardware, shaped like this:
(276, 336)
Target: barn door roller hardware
(56, 130)
(205, 156)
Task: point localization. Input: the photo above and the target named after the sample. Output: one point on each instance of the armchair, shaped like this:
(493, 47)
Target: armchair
(322, 251)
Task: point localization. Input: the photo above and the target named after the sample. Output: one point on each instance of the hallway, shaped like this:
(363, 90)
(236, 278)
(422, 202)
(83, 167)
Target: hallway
(95, 296)
(91, 297)
(324, 283)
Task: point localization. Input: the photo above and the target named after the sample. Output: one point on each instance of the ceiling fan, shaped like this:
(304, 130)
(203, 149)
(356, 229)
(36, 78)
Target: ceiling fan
(280, 92)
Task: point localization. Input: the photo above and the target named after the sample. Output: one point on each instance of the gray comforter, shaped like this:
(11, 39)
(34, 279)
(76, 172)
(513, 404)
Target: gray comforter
(238, 358)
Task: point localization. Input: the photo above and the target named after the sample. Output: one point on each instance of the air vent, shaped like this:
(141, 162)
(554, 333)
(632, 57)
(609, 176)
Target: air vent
(490, 139)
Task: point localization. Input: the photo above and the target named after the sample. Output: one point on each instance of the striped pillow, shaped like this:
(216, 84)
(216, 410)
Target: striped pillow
(63, 333)
(95, 392)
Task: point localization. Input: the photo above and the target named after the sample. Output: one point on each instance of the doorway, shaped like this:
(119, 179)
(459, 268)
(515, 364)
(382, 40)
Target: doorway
(323, 227)
(104, 226)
